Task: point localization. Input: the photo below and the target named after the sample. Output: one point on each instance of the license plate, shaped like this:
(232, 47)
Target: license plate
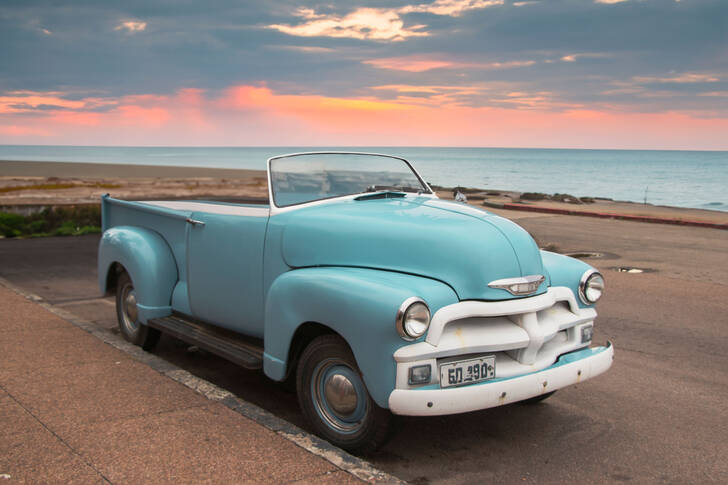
(467, 371)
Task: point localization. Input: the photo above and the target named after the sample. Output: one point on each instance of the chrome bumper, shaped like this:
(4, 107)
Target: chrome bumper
(570, 368)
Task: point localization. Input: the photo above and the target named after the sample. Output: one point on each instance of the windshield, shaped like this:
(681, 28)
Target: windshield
(296, 179)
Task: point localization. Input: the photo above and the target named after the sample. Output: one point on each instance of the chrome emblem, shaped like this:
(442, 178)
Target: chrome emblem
(524, 285)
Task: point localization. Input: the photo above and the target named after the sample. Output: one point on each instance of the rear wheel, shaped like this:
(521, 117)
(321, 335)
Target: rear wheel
(335, 400)
(127, 314)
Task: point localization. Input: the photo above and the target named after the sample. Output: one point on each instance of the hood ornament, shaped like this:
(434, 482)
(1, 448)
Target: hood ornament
(524, 285)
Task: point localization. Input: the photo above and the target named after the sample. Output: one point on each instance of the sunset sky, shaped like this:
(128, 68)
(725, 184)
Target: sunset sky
(501, 73)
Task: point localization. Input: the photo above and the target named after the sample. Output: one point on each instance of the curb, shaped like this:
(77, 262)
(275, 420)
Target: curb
(604, 215)
(357, 467)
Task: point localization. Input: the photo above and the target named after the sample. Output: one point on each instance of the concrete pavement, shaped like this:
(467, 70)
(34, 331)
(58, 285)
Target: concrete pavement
(76, 410)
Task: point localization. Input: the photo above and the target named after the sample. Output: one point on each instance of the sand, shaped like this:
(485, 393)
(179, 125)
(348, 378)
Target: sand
(60, 183)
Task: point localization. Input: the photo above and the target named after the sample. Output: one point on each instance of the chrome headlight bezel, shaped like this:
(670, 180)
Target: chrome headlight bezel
(590, 276)
(405, 330)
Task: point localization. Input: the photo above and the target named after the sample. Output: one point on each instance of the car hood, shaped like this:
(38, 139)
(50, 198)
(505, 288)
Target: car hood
(461, 245)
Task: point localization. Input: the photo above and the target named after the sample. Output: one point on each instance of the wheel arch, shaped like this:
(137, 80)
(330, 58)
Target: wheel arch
(112, 278)
(306, 333)
(358, 304)
(147, 258)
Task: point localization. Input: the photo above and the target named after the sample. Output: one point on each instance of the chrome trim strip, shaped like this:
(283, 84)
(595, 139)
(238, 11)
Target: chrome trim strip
(274, 209)
(532, 283)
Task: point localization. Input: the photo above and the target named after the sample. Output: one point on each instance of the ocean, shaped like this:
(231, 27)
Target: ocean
(697, 179)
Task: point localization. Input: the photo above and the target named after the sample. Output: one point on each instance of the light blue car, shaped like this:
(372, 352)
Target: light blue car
(360, 285)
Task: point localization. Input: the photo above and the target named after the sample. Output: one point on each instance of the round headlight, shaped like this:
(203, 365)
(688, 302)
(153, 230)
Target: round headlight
(413, 318)
(591, 287)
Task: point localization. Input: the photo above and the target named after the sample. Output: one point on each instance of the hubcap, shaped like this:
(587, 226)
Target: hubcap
(129, 310)
(131, 306)
(340, 394)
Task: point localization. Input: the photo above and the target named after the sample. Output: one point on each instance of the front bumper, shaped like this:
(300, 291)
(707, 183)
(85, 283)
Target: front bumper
(570, 368)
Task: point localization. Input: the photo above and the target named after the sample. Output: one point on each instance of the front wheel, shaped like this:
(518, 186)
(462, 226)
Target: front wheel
(334, 399)
(127, 314)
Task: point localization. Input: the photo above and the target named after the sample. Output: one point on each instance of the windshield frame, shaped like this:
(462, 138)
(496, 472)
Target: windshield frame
(276, 209)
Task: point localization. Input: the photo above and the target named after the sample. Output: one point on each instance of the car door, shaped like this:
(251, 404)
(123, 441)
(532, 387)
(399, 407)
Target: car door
(225, 265)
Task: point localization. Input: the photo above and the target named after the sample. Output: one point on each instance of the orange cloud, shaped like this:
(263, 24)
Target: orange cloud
(261, 97)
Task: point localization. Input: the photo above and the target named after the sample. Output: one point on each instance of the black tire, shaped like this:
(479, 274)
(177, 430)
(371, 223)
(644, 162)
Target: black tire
(538, 399)
(126, 314)
(328, 361)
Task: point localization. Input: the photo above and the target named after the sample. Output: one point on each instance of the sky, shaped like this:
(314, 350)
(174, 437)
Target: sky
(629, 74)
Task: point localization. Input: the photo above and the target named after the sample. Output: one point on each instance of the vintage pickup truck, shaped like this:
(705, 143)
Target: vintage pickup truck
(359, 284)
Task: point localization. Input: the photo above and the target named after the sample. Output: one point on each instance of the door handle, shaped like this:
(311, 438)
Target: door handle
(195, 222)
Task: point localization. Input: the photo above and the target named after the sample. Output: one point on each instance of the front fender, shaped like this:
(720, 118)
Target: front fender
(148, 259)
(565, 271)
(358, 304)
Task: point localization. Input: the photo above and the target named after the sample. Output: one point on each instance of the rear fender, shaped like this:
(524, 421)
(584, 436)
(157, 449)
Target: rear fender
(148, 259)
(358, 304)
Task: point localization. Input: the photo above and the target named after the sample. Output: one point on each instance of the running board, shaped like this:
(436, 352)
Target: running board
(220, 342)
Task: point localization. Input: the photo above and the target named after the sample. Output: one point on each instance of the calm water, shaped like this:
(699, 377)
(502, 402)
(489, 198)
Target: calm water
(677, 178)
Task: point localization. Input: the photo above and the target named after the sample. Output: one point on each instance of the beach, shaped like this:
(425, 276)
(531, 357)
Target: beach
(26, 185)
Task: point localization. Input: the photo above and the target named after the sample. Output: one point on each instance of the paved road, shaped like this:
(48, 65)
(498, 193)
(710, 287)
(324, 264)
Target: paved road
(660, 415)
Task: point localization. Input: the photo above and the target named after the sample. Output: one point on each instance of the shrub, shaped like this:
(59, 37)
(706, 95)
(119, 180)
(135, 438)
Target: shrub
(57, 221)
(11, 225)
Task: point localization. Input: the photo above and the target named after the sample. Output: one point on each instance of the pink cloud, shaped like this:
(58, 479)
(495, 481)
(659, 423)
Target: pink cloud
(258, 115)
(22, 131)
(81, 118)
(422, 64)
(133, 114)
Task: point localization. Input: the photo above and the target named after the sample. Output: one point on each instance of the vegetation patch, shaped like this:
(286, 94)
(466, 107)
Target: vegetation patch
(17, 188)
(567, 198)
(533, 196)
(57, 221)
